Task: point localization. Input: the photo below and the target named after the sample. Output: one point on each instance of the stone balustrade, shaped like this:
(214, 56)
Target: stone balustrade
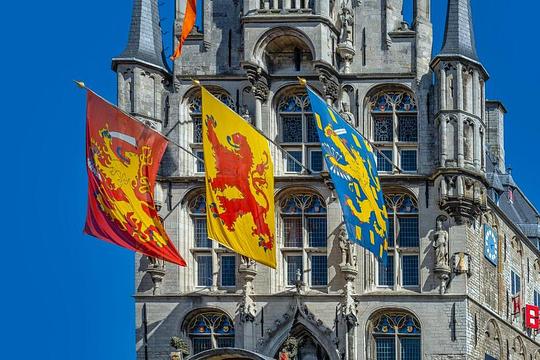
(287, 6)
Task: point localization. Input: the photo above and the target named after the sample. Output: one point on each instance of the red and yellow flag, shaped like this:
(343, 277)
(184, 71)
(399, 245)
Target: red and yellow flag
(189, 21)
(122, 158)
(239, 183)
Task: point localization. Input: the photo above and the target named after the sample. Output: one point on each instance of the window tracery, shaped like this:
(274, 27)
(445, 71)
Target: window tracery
(304, 238)
(394, 115)
(210, 330)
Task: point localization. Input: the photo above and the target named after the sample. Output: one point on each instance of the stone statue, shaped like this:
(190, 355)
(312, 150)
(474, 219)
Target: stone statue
(245, 114)
(346, 112)
(289, 350)
(440, 244)
(347, 24)
(347, 248)
(181, 347)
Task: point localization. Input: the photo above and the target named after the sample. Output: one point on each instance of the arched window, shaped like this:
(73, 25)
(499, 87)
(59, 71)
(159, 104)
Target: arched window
(195, 114)
(298, 131)
(210, 330)
(402, 268)
(394, 116)
(395, 335)
(304, 235)
(207, 253)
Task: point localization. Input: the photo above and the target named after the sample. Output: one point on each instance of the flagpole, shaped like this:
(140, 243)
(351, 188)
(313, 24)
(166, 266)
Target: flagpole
(198, 83)
(304, 83)
(81, 85)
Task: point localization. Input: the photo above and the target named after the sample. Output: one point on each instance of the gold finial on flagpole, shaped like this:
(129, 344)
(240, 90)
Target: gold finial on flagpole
(302, 81)
(80, 84)
(196, 82)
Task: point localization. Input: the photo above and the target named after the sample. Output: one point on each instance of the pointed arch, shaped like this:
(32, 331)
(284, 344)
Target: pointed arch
(299, 318)
(493, 341)
(385, 325)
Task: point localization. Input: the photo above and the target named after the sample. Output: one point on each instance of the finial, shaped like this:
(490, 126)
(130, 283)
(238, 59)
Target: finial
(196, 82)
(302, 81)
(80, 84)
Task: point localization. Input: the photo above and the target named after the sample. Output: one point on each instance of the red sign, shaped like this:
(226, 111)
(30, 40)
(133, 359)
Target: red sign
(532, 314)
(516, 300)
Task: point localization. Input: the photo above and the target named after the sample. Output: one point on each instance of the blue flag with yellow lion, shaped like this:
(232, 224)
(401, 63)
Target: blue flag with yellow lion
(351, 163)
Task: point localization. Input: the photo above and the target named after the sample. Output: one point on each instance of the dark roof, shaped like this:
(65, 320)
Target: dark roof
(459, 34)
(145, 44)
(517, 207)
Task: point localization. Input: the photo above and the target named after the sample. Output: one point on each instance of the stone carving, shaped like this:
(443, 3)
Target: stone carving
(247, 308)
(181, 346)
(346, 112)
(347, 24)
(289, 350)
(156, 269)
(463, 197)
(348, 256)
(440, 243)
(245, 114)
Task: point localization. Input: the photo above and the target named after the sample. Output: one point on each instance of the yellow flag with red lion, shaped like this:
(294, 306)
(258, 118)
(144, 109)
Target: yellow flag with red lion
(239, 183)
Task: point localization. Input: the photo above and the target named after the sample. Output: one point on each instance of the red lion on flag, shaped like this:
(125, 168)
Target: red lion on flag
(235, 169)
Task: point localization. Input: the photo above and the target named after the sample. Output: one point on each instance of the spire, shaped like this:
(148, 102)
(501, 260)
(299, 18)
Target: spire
(459, 33)
(145, 44)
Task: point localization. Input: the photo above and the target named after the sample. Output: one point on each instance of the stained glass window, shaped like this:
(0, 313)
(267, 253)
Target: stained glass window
(195, 111)
(228, 270)
(383, 128)
(208, 328)
(395, 120)
(396, 333)
(200, 164)
(204, 250)
(409, 266)
(204, 270)
(383, 164)
(298, 128)
(304, 226)
(294, 265)
(408, 128)
(319, 270)
(408, 160)
(386, 272)
(403, 210)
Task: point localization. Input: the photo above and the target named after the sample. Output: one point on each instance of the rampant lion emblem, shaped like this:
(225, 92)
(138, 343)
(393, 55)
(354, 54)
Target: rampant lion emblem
(123, 193)
(235, 168)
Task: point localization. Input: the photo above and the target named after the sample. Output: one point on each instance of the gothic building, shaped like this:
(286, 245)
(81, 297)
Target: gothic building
(464, 239)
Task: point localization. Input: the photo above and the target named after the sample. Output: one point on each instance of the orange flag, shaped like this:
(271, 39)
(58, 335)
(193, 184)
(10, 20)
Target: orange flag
(122, 160)
(189, 21)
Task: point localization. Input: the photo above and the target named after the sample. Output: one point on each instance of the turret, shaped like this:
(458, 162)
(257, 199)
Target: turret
(460, 114)
(141, 68)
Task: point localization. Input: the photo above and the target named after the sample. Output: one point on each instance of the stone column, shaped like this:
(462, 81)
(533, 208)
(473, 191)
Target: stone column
(443, 140)
(460, 135)
(477, 146)
(459, 86)
(443, 89)
(260, 91)
(247, 308)
(476, 94)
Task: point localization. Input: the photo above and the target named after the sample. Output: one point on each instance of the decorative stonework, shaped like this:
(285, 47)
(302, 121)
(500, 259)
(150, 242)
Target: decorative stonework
(440, 245)
(247, 308)
(463, 197)
(259, 80)
(156, 269)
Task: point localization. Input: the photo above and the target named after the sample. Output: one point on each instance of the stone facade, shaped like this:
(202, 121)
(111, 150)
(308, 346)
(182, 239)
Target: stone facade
(429, 115)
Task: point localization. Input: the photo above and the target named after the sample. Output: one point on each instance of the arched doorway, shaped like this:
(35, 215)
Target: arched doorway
(302, 342)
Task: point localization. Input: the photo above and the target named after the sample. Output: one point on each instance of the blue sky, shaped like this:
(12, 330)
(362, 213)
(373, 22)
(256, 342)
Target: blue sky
(68, 296)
